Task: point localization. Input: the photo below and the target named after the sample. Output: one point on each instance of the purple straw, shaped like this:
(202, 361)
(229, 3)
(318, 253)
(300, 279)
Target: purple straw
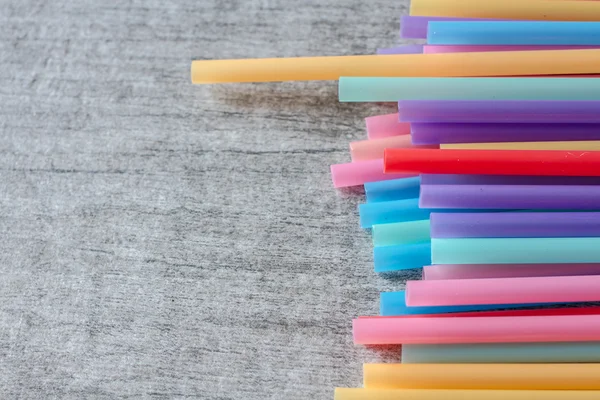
(416, 27)
(438, 133)
(511, 197)
(507, 111)
(451, 179)
(515, 225)
(406, 49)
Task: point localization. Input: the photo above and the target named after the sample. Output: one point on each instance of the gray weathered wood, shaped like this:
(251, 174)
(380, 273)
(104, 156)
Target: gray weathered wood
(161, 240)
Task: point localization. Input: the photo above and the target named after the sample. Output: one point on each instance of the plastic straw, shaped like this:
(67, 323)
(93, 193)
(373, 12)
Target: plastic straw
(576, 352)
(395, 89)
(508, 192)
(415, 27)
(483, 376)
(514, 312)
(437, 394)
(372, 149)
(462, 292)
(394, 304)
(510, 197)
(509, 9)
(401, 233)
(561, 328)
(499, 225)
(583, 145)
(390, 212)
(507, 111)
(450, 179)
(453, 179)
(423, 134)
(516, 251)
(487, 271)
(493, 162)
(456, 64)
(433, 49)
(514, 33)
(399, 258)
(396, 189)
(382, 126)
(358, 173)
(406, 49)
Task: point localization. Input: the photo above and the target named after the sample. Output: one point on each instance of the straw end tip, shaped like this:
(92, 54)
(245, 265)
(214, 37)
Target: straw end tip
(333, 171)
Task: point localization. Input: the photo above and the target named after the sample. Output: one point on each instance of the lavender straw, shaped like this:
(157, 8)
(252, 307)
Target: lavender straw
(507, 111)
(532, 197)
(438, 133)
(515, 224)
(406, 49)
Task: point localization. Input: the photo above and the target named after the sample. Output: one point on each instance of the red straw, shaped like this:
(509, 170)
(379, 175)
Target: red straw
(493, 162)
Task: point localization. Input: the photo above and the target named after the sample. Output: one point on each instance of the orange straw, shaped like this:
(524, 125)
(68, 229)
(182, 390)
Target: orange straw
(506, 63)
(509, 9)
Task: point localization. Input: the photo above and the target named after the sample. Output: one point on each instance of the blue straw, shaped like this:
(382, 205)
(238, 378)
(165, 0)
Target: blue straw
(402, 257)
(396, 189)
(391, 211)
(394, 304)
(353, 89)
(556, 33)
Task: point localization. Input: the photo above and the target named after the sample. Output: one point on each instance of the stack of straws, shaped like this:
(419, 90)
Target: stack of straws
(488, 178)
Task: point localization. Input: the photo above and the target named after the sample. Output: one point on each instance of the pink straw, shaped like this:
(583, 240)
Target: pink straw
(382, 126)
(373, 149)
(487, 271)
(359, 173)
(433, 49)
(516, 329)
(463, 292)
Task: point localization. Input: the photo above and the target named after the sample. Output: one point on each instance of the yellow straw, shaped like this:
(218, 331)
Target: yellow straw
(483, 376)
(582, 145)
(509, 9)
(509, 63)
(419, 394)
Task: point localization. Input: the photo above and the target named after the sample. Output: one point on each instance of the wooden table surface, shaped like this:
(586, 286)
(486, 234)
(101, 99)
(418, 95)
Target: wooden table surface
(165, 240)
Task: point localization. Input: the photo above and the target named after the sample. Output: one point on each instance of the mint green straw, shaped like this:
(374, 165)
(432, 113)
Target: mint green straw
(516, 250)
(401, 233)
(581, 352)
(396, 89)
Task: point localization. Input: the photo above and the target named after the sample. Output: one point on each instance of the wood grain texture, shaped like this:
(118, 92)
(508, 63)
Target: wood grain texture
(164, 240)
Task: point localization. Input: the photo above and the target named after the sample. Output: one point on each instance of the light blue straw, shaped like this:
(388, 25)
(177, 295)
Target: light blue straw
(401, 233)
(516, 250)
(576, 352)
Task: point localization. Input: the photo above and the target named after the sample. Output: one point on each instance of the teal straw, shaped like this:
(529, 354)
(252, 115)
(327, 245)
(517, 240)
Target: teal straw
(580, 352)
(516, 250)
(395, 89)
(401, 233)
